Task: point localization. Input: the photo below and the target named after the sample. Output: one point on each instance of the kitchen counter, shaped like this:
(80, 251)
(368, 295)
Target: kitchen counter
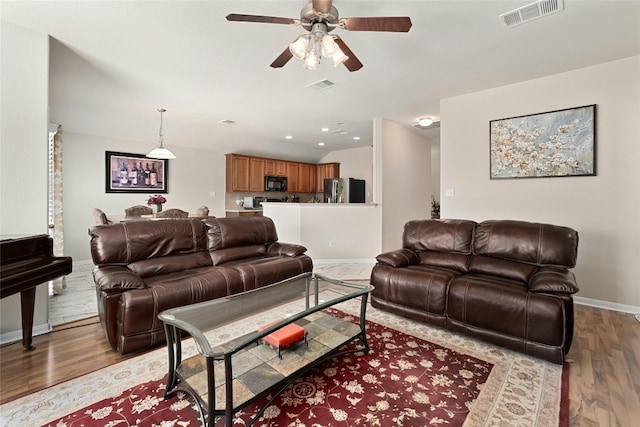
(243, 212)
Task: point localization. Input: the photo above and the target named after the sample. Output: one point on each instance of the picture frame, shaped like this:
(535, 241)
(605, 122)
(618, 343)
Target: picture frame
(135, 173)
(558, 143)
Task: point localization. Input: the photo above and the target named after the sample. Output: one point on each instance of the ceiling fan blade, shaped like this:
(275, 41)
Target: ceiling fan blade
(399, 24)
(353, 63)
(322, 6)
(234, 17)
(282, 60)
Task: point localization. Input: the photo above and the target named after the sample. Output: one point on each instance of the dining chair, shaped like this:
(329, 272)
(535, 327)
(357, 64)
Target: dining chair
(100, 217)
(172, 213)
(138, 210)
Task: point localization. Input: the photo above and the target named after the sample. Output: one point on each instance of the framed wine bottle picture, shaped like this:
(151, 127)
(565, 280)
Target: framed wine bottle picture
(135, 173)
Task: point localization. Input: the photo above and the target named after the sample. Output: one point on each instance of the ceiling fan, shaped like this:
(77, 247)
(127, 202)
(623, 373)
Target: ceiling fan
(320, 17)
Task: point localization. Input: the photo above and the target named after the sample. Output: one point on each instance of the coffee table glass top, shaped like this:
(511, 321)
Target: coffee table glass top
(226, 325)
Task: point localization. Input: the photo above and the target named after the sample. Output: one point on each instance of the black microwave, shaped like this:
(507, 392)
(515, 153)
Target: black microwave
(275, 183)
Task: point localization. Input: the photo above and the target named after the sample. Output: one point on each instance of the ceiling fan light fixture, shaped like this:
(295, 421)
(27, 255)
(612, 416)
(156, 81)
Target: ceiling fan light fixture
(329, 46)
(425, 121)
(299, 47)
(338, 57)
(311, 60)
(161, 152)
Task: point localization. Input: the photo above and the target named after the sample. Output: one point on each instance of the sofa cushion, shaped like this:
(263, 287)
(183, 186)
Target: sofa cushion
(266, 270)
(222, 256)
(455, 261)
(131, 241)
(418, 287)
(502, 268)
(504, 307)
(139, 308)
(239, 231)
(541, 244)
(170, 264)
(445, 235)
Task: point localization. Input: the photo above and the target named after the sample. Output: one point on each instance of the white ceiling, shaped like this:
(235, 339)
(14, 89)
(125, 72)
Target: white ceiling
(113, 63)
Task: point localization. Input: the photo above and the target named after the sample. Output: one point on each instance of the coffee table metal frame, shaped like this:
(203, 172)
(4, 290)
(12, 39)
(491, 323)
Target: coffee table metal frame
(197, 319)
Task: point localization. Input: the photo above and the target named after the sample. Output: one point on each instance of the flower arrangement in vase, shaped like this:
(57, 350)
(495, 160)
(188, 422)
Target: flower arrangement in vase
(156, 202)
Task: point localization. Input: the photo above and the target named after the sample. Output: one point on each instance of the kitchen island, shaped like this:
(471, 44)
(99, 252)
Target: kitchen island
(344, 232)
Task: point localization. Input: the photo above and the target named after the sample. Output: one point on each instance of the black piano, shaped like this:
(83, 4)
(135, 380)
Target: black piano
(26, 262)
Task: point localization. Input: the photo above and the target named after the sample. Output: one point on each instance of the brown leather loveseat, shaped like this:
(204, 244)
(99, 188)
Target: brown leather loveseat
(145, 267)
(506, 282)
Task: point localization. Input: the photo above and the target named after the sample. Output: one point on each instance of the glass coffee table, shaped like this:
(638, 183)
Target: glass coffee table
(259, 341)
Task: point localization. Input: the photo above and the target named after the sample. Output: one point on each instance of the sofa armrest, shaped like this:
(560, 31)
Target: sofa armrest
(399, 258)
(285, 249)
(553, 281)
(115, 278)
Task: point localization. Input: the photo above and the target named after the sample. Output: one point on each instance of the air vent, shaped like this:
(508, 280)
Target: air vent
(320, 85)
(433, 125)
(530, 12)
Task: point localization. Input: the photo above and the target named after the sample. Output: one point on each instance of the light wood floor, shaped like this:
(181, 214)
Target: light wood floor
(604, 385)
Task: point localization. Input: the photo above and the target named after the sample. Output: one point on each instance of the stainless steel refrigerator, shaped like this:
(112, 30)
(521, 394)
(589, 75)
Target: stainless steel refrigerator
(344, 190)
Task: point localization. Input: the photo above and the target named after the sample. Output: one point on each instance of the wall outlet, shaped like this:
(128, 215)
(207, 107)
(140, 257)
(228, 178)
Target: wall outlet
(212, 194)
(448, 192)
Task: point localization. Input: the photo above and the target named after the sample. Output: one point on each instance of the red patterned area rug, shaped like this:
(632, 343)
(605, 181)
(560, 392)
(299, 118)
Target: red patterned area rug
(414, 375)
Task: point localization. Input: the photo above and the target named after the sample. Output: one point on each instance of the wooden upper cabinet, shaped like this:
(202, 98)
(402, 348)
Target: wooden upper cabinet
(237, 173)
(246, 173)
(326, 171)
(304, 180)
(256, 174)
(313, 178)
(274, 167)
(292, 177)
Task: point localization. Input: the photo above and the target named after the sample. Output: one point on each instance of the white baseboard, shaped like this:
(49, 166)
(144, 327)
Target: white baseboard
(13, 336)
(607, 305)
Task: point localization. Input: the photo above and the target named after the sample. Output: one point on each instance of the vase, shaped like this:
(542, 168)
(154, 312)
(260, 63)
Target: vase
(157, 208)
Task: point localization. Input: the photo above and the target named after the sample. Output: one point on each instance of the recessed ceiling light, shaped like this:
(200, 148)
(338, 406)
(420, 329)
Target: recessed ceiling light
(321, 144)
(325, 129)
(344, 132)
(425, 121)
(288, 137)
(356, 138)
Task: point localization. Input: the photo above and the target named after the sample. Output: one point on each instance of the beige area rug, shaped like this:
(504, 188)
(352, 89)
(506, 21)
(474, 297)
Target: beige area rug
(520, 390)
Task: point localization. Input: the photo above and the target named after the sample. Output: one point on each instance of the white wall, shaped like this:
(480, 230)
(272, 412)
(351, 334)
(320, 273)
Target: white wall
(23, 151)
(329, 231)
(604, 209)
(192, 176)
(355, 163)
(402, 174)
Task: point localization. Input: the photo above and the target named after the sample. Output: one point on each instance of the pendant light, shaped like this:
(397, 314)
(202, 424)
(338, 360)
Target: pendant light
(161, 152)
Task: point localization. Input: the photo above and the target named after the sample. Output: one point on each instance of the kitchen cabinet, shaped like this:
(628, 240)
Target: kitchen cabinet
(326, 171)
(246, 174)
(237, 173)
(274, 167)
(313, 178)
(304, 180)
(256, 174)
(293, 177)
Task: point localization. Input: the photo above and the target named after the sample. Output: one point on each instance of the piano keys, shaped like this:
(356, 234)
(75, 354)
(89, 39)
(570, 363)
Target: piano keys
(25, 263)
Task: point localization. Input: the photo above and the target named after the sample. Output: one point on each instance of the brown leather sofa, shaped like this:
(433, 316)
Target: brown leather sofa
(506, 282)
(145, 267)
